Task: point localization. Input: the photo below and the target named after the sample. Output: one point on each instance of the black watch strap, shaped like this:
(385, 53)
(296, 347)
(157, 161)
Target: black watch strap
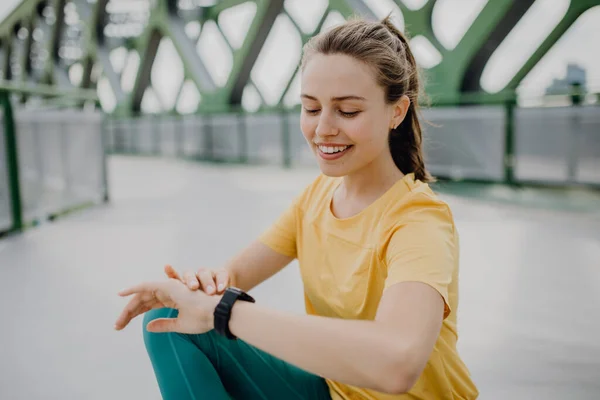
(222, 312)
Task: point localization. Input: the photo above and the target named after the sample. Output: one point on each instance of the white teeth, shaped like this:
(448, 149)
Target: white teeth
(331, 150)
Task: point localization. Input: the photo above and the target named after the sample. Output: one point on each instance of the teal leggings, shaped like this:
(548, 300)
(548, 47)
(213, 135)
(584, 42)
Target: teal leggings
(211, 367)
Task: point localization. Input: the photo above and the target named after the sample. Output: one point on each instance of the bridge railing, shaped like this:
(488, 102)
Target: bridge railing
(494, 142)
(52, 158)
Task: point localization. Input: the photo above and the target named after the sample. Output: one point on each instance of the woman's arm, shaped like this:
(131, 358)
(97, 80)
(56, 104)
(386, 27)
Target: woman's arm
(386, 355)
(255, 264)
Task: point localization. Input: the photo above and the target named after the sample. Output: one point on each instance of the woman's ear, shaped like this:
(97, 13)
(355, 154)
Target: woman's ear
(400, 109)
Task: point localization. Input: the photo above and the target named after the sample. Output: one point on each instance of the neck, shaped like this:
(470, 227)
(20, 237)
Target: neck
(373, 179)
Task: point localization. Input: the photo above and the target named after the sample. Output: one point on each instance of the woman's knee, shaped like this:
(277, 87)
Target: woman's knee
(157, 343)
(153, 340)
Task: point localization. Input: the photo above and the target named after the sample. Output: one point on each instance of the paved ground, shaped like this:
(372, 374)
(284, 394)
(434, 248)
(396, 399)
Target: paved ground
(529, 306)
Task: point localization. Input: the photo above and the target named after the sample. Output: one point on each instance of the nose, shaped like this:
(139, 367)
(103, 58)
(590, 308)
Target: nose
(326, 126)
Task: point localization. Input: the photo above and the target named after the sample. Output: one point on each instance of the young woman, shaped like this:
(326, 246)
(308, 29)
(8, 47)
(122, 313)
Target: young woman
(378, 253)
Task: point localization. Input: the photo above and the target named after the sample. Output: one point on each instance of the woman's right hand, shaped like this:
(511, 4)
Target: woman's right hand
(209, 281)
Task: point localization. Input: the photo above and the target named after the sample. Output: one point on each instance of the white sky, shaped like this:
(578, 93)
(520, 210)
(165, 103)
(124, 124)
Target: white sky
(451, 19)
(7, 6)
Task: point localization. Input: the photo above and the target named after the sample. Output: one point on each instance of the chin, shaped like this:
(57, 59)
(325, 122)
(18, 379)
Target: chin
(332, 174)
(333, 171)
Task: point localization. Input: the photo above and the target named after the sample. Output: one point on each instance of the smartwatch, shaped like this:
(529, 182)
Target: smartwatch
(222, 312)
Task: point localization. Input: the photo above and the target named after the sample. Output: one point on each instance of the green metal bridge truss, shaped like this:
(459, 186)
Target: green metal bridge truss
(64, 45)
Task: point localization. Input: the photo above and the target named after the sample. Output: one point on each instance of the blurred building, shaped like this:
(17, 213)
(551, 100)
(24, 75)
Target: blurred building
(575, 77)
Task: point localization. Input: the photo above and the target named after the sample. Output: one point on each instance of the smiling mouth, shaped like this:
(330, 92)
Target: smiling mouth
(332, 153)
(333, 149)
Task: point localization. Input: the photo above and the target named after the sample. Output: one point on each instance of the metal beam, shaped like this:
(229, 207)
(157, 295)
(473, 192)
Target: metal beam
(420, 22)
(172, 6)
(456, 79)
(48, 91)
(26, 62)
(56, 73)
(245, 58)
(103, 56)
(2, 59)
(445, 79)
(193, 64)
(43, 70)
(471, 81)
(59, 27)
(8, 49)
(222, 5)
(19, 47)
(98, 22)
(86, 79)
(20, 12)
(12, 161)
(95, 32)
(147, 57)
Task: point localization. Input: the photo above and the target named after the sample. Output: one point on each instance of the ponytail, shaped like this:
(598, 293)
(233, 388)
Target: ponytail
(406, 140)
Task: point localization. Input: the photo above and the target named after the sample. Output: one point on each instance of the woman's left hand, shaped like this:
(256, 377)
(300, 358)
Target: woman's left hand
(196, 308)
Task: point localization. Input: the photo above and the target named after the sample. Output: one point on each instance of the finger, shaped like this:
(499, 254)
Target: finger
(163, 325)
(142, 287)
(207, 280)
(139, 304)
(125, 319)
(171, 272)
(120, 324)
(222, 280)
(190, 279)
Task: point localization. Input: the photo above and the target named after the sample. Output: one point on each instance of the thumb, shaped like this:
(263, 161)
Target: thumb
(222, 280)
(162, 325)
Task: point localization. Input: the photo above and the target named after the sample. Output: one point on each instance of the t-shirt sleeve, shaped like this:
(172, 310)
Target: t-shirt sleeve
(281, 235)
(423, 248)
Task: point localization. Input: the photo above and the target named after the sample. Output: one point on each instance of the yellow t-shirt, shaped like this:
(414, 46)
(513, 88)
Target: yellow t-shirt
(408, 234)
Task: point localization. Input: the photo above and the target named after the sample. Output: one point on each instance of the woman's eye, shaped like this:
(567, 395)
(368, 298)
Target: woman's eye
(349, 114)
(309, 111)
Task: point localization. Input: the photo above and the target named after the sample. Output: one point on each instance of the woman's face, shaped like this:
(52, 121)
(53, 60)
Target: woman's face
(345, 118)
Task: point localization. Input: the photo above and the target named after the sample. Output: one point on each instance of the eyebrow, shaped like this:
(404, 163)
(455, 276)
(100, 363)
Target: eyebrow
(340, 98)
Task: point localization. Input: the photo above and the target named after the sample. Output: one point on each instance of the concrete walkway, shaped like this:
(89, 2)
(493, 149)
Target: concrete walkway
(528, 316)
